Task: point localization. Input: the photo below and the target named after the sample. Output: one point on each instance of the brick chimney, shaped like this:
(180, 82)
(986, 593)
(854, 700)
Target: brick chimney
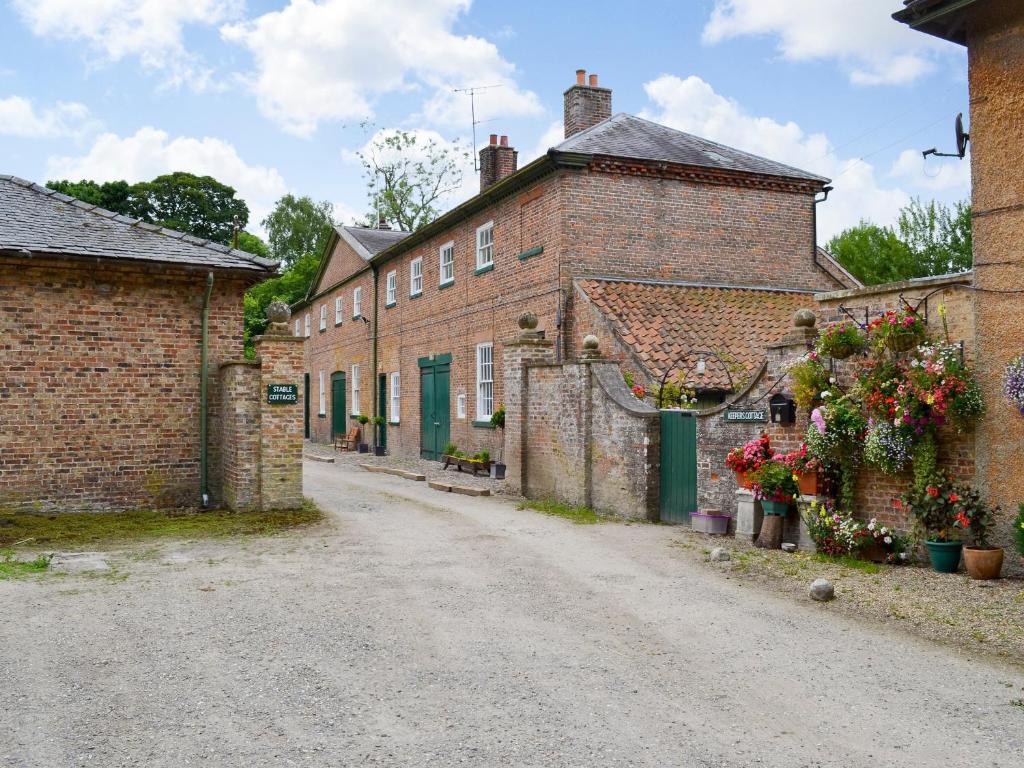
(586, 104)
(497, 160)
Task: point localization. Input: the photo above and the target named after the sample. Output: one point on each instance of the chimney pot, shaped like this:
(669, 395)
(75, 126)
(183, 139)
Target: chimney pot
(593, 81)
(580, 76)
(494, 138)
(497, 160)
(504, 141)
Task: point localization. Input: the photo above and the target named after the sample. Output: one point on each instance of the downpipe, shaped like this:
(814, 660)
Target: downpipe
(204, 490)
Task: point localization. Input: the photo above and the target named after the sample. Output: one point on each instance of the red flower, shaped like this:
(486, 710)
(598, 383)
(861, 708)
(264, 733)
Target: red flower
(897, 504)
(954, 498)
(932, 491)
(963, 520)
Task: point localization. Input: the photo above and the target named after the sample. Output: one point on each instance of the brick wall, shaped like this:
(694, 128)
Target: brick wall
(280, 467)
(99, 383)
(240, 388)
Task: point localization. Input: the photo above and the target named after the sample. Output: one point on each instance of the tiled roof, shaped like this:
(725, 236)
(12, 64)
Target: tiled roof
(37, 219)
(629, 136)
(665, 324)
(375, 240)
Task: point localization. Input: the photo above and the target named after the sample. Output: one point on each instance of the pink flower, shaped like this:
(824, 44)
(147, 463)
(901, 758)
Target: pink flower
(819, 420)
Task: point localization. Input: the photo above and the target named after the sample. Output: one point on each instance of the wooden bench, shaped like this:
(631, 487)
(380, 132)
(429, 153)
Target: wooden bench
(349, 441)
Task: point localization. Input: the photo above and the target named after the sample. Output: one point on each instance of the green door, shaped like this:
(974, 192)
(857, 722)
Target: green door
(435, 424)
(305, 415)
(339, 420)
(678, 466)
(382, 409)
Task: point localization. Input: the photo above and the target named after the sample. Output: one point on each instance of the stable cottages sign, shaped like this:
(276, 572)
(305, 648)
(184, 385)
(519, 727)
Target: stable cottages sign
(282, 394)
(746, 415)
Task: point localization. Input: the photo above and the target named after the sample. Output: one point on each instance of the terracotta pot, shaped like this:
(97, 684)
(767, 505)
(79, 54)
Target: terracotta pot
(743, 480)
(874, 553)
(983, 564)
(809, 484)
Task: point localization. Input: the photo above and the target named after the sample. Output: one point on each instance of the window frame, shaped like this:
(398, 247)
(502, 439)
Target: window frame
(298, 327)
(306, 325)
(481, 382)
(339, 310)
(460, 405)
(394, 413)
(356, 385)
(413, 277)
(322, 410)
(357, 302)
(391, 289)
(323, 318)
(449, 248)
(489, 247)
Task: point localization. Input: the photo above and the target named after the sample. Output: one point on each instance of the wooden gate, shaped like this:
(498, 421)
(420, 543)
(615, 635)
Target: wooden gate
(678, 466)
(435, 417)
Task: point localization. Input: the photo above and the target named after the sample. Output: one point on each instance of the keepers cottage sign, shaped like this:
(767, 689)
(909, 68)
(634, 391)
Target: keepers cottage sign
(282, 394)
(746, 415)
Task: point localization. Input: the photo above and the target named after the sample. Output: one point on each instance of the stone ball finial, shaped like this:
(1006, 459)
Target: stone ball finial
(528, 321)
(804, 318)
(590, 342)
(278, 312)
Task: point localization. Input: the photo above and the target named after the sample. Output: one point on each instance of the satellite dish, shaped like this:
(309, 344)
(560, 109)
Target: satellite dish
(961, 137)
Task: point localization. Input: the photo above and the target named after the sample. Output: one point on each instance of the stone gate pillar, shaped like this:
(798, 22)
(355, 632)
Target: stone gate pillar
(529, 346)
(281, 412)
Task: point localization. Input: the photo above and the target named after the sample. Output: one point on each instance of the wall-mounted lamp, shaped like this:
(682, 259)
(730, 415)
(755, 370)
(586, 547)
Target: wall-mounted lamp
(702, 367)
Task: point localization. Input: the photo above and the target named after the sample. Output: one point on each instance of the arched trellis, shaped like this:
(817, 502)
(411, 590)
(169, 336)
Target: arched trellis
(702, 356)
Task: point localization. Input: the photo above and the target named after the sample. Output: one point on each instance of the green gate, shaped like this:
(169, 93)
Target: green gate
(339, 419)
(678, 466)
(435, 373)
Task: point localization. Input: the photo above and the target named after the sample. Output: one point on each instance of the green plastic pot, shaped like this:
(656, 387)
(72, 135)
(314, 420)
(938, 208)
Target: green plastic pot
(945, 555)
(779, 508)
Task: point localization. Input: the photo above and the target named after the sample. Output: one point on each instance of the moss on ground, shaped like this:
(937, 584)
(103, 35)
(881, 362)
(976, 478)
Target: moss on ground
(10, 568)
(578, 515)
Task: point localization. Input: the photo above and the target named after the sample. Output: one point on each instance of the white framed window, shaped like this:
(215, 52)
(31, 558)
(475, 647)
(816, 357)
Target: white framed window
(396, 397)
(447, 261)
(416, 277)
(339, 309)
(485, 245)
(357, 302)
(323, 396)
(306, 325)
(323, 317)
(355, 390)
(392, 289)
(298, 327)
(460, 405)
(484, 381)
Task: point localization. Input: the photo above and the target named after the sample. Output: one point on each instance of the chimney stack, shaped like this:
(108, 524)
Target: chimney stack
(586, 104)
(497, 160)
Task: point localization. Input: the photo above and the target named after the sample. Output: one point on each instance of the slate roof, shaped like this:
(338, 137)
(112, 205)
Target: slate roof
(664, 324)
(375, 240)
(40, 220)
(628, 136)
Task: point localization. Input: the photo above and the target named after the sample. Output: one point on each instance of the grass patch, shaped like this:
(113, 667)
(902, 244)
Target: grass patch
(16, 569)
(78, 529)
(578, 515)
(850, 562)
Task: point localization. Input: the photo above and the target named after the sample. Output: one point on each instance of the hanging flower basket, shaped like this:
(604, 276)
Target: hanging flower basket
(1013, 383)
(902, 342)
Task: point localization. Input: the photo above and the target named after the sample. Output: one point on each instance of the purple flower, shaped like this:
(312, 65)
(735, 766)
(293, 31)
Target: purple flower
(819, 420)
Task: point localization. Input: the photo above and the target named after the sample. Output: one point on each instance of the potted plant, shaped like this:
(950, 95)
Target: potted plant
(933, 506)
(809, 378)
(1018, 532)
(363, 419)
(897, 331)
(449, 455)
(973, 515)
(806, 469)
(744, 460)
(498, 422)
(840, 340)
(378, 424)
(834, 532)
(710, 521)
(774, 486)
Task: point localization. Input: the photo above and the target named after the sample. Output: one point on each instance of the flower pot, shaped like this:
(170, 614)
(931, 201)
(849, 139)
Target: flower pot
(743, 480)
(497, 471)
(874, 553)
(716, 525)
(779, 508)
(901, 342)
(809, 484)
(379, 450)
(945, 555)
(364, 447)
(983, 564)
(842, 351)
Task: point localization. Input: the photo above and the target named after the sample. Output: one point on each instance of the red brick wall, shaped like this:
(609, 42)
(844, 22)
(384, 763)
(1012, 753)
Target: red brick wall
(342, 262)
(99, 383)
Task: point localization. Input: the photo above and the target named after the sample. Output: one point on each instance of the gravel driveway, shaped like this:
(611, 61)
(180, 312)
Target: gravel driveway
(425, 629)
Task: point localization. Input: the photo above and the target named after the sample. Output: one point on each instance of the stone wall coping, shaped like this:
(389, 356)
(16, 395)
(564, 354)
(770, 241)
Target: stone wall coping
(519, 341)
(958, 278)
(609, 377)
(795, 338)
(268, 338)
(241, 361)
(729, 403)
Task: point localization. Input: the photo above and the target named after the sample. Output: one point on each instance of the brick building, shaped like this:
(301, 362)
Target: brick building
(100, 354)
(621, 198)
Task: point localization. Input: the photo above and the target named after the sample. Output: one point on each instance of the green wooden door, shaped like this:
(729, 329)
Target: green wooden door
(339, 420)
(678, 466)
(382, 409)
(305, 415)
(435, 418)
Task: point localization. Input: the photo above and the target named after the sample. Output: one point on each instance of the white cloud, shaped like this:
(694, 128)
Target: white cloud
(873, 47)
(151, 30)
(151, 152)
(18, 117)
(553, 134)
(935, 174)
(317, 62)
(693, 106)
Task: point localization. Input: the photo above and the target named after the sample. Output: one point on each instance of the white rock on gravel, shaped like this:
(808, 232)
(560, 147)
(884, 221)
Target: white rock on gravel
(720, 555)
(822, 590)
(78, 562)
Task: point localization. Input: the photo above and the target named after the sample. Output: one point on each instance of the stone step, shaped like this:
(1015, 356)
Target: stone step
(465, 490)
(392, 471)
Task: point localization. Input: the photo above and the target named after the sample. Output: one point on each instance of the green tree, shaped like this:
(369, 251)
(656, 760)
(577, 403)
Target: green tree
(297, 227)
(407, 176)
(290, 286)
(112, 195)
(199, 205)
(250, 243)
(929, 239)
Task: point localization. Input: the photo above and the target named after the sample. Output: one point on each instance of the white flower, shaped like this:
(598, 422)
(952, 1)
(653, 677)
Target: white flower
(887, 539)
(896, 422)
(871, 525)
(826, 394)
(831, 379)
(884, 531)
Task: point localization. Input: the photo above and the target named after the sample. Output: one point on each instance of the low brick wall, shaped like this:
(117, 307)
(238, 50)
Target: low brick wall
(240, 452)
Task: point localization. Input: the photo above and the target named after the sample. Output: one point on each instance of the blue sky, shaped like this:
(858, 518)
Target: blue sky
(274, 97)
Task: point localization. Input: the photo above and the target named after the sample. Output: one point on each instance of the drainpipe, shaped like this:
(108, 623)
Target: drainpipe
(814, 227)
(373, 380)
(204, 490)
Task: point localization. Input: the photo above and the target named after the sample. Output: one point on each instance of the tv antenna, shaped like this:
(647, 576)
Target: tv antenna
(473, 90)
(962, 137)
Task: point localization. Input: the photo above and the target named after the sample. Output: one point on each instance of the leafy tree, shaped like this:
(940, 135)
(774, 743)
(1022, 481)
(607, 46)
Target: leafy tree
(112, 195)
(407, 176)
(298, 226)
(929, 239)
(250, 243)
(199, 205)
(290, 286)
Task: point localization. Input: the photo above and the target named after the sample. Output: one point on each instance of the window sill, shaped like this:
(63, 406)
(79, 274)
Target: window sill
(323, 330)
(531, 253)
(337, 324)
(449, 284)
(483, 269)
(392, 304)
(483, 424)
(357, 317)
(394, 423)
(321, 415)
(415, 295)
